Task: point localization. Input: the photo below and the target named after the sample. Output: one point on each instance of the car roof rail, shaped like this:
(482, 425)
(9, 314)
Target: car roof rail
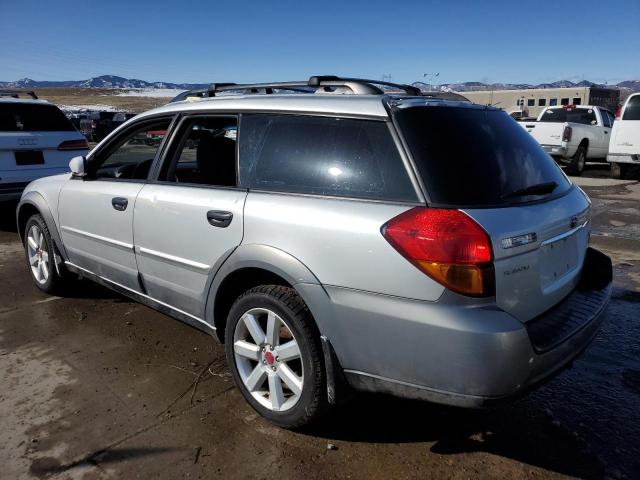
(315, 84)
(16, 93)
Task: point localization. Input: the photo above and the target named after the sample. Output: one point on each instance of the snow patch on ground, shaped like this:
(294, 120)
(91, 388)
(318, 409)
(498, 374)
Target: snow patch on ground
(82, 108)
(150, 92)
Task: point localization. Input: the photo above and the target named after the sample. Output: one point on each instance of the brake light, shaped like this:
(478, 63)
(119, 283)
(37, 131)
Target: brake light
(619, 112)
(566, 134)
(74, 145)
(447, 245)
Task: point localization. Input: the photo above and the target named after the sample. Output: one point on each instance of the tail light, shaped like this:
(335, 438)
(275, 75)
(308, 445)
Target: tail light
(619, 112)
(448, 246)
(566, 134)
(74, 145)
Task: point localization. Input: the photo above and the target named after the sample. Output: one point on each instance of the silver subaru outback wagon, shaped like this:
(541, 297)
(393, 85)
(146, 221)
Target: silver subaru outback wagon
(335, 234)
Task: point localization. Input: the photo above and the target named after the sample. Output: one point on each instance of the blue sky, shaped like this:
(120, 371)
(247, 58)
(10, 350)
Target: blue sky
(182, 41)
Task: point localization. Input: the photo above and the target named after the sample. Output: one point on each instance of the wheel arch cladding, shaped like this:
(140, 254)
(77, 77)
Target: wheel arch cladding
(30, 204)
(250, 266)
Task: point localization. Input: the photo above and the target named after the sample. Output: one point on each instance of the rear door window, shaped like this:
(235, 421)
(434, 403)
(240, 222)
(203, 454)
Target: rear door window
(475, 157)
(26, 117)
(322, 156)
(632, 110)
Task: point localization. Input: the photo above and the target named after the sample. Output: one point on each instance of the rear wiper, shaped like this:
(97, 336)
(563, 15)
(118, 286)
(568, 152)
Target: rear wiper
(539, 189)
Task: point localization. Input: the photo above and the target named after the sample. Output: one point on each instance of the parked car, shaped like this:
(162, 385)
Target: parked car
(624, 149)
(36, 140)
(335, 241)
(573, 134)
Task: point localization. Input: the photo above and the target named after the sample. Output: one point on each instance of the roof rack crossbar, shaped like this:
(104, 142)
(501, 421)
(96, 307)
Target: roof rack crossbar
(4, 92)
(358, 86)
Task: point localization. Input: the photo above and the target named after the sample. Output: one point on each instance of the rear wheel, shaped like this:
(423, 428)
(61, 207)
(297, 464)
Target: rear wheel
(41, 254)
(618, 170)
(576, 167)
(273, 349)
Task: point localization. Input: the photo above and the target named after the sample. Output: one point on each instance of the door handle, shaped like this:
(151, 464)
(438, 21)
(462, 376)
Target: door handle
(119, 203)
(219, 218)
(605, 132)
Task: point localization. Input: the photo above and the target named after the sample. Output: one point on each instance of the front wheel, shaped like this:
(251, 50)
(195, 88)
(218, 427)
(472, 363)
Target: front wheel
(41, 256)
(576, 167)
(274, 352)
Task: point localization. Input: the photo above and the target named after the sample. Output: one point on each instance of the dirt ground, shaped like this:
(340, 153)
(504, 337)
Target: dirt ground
(99, 96)
(97, 386)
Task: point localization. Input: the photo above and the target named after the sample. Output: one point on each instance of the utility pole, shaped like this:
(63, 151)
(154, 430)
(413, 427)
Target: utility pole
(431, 76)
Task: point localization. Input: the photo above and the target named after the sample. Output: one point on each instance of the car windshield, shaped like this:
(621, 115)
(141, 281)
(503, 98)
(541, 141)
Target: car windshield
(477, 157)
(584, 116)
(25, 117)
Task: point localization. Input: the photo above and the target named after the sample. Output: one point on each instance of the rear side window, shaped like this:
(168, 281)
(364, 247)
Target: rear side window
(322, 156)
(632, 110)
(475, 156)
(25, 117)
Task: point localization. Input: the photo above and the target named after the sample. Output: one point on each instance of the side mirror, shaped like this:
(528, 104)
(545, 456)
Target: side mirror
(76, 165)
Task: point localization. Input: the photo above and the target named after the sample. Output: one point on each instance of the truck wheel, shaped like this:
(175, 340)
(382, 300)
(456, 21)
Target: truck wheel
(39, 249)
(576, 167)
(274, 353)
(618, 170)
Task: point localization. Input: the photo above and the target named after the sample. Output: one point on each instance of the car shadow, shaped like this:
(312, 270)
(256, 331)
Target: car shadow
(521, 431)
(8, 217)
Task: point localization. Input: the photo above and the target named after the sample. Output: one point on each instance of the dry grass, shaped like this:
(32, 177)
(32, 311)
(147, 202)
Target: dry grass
(99, 96)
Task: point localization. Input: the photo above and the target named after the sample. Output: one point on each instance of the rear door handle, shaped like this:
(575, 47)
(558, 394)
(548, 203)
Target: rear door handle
(119, 203)
(219, 218)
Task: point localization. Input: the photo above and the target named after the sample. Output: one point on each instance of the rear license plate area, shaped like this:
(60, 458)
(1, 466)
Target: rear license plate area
(558, 259)
(29, 157)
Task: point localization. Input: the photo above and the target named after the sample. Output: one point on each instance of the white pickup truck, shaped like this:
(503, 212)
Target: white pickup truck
(573, 134)
(624, 149)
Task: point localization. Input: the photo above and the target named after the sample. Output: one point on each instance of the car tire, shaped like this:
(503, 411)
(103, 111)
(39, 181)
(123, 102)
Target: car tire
(265, 328)
(578, 161)
(40, 252)
(618, 170)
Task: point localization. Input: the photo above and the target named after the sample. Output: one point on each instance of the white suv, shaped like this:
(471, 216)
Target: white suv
(624, 149)
(36, 140)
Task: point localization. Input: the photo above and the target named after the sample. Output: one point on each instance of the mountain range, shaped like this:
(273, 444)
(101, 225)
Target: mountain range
(113, 81)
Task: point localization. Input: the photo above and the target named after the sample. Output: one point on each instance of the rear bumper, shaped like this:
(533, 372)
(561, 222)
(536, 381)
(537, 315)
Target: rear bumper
(464, 356)
(12, 191)
(556, 150)
(623, 158)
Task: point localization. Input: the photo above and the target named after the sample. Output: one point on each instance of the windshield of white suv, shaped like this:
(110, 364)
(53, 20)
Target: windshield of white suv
(477, 157)
(32, 117)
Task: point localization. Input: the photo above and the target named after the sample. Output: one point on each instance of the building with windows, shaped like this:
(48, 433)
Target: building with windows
(530, 102)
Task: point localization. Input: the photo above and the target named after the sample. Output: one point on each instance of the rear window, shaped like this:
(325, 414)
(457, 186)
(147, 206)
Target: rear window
(322, 156)
(24, 117)
(576, 115)
(475, 157)
(632, 110)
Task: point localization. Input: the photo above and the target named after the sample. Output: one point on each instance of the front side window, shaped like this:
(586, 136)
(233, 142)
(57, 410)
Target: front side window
(322, 156)
(205, 153)
(130, 155)
(632, 110)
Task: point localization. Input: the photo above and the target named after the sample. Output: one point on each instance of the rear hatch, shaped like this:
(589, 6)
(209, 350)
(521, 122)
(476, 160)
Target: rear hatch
(36, 139)
(626, 131)
(479, 160)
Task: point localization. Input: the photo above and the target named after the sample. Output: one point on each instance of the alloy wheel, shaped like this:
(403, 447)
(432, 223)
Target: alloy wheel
(38, 255)
(268, 359)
